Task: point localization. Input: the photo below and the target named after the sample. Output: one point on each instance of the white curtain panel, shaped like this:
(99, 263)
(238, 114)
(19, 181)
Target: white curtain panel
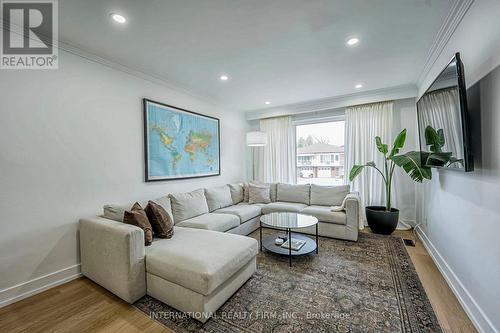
(276, 160)
(441, 110)
(363, 123)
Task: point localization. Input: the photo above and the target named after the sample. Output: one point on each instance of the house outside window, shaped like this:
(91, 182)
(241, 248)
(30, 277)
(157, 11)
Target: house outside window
(319, 161)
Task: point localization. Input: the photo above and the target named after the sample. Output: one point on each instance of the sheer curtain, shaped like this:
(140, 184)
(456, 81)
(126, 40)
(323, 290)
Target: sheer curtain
(363, 123)
(276, 160)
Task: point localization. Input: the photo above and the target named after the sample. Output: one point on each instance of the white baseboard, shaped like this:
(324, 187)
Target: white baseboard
(29, 288)
(473, 310)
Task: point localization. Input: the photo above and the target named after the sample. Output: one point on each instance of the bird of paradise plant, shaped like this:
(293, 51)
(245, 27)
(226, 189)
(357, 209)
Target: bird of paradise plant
(416, 164)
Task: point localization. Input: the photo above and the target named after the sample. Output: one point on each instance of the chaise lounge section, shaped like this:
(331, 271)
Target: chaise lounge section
(197, 271)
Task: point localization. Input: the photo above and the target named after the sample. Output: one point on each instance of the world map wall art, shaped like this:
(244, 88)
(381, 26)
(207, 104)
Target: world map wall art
(179, 143)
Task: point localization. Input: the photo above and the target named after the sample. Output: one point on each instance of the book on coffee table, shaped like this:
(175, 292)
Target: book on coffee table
(296, 244)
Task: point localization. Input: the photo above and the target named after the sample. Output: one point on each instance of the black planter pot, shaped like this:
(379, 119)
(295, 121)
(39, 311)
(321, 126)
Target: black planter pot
(381, 221)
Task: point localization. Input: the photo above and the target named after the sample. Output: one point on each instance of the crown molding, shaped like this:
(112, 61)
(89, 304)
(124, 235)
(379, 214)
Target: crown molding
(335, 102)
(450, 24)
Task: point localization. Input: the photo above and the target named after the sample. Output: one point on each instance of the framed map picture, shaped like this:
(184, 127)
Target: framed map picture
(179, 143)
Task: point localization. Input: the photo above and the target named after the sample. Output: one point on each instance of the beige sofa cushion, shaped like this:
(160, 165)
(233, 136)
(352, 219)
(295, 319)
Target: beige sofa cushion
(243, 210)
(324, 214)
(236, 193)
(328, 195)
(115, 212)
(199, 260)
(293, 193)
(212, 221)
(218, 197)
(188, 205)
(282, 207)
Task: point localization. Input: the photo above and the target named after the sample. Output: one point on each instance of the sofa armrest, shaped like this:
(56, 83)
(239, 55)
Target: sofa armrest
(352, 209)
(113, 255)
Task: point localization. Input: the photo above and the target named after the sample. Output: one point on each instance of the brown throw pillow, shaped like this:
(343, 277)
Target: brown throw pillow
(137, 216)
(160, 220)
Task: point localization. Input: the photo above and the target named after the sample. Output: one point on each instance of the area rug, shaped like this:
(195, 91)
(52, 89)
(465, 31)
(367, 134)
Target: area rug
(365, 286)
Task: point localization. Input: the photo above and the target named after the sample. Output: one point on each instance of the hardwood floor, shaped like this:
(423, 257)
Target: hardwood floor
(83, 306)
(450, 313)
(77, 306)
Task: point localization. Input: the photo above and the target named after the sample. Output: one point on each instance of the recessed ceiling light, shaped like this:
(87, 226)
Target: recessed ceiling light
(267, 102)
(352, 41)
(358, 86)
(118, 18)
(224, 77)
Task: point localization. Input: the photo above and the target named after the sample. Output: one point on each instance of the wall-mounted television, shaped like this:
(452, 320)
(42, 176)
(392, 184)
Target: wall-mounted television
(443, 121)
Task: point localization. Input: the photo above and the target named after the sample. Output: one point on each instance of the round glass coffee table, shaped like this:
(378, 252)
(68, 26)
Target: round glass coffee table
(288, 221)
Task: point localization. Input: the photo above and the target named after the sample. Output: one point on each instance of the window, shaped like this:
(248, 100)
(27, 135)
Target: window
(320, 153)
(304, 160)
(326, 159)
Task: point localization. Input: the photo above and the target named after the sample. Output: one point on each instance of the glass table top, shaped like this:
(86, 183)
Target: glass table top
(288, 220)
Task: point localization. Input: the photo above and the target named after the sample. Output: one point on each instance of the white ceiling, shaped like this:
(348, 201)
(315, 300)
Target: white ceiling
(284, 51)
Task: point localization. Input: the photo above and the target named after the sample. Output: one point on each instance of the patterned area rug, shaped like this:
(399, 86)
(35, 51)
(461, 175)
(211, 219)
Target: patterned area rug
(365, 286)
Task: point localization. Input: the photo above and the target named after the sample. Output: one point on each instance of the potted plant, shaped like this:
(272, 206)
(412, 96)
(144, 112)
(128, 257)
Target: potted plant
(384, 219)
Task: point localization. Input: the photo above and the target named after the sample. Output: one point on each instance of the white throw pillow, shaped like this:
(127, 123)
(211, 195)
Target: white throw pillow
(188, 205)
(259, 193)
(328, 195)
(218, 197)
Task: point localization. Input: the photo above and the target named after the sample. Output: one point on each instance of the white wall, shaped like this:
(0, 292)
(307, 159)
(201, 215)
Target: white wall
(71, 140)
(460, 212)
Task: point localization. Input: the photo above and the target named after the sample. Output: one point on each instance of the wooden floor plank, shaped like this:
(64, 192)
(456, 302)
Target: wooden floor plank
(83, 306)
(450, 313)
(77, 306)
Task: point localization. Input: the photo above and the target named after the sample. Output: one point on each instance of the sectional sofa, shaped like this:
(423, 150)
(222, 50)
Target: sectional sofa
(208, 258)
